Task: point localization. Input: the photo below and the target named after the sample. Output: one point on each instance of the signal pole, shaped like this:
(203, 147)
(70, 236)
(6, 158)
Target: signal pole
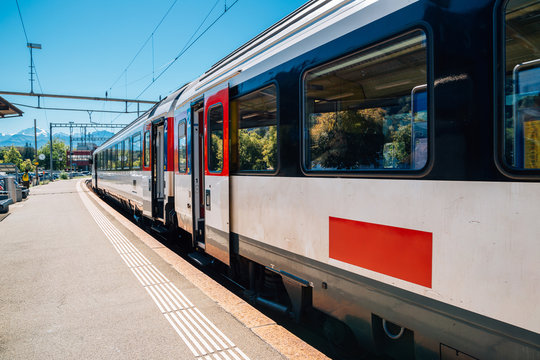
(32, 46)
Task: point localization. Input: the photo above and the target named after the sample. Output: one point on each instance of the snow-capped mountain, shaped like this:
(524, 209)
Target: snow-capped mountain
(30, 132)
(26, 136)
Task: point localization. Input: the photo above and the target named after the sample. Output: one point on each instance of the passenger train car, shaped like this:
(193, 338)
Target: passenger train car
(378, 159)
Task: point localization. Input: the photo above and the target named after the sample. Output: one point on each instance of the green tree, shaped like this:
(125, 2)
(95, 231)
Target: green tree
(215, 161)
(13, 156)
(402, 144)
(59, 152)
(27, 165)
(28, 151)
(257, 149)
(348, 139)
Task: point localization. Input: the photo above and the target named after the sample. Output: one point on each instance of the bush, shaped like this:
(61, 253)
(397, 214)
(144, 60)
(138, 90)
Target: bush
(63, 175)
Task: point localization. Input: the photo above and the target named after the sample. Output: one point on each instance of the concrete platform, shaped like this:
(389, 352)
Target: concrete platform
(80, 281)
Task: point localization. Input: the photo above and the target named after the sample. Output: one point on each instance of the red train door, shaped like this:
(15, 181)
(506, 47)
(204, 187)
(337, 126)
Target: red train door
(216, 174)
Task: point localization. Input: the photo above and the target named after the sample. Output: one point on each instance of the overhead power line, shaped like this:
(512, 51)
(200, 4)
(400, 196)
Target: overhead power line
(188, 45)
(22, 22)
(151, 37)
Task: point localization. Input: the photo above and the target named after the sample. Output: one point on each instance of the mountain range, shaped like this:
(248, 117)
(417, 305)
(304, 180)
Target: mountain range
(27, 136)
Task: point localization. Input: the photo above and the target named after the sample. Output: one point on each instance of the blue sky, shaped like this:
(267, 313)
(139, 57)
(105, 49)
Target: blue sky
(88, 44)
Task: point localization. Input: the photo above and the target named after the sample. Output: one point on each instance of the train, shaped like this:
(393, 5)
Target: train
(376, 160)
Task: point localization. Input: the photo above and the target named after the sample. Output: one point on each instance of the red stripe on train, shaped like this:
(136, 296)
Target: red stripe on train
(401, 253)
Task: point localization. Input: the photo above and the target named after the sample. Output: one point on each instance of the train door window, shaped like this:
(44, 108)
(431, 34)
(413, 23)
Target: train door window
(215, 138)
(147, 149)
(136, 152)
(125, 157)
(255, 118)
(358, 110)
(182, 146)
(522, 85)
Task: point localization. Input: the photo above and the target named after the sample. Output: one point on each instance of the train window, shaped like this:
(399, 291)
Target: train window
(125, 157)
(119, 155)
(147, 149)
(136, 152)
(522, 85)
(215, 138)
(257, 136)
(182, 146)
(114, 156)
(109, 158)
(114, 151)
(368, 111)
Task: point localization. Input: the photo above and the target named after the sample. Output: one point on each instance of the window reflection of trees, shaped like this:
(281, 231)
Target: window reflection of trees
(257, 130)
(358, 109)
(215, 129)
(136, 151)
(182, 147)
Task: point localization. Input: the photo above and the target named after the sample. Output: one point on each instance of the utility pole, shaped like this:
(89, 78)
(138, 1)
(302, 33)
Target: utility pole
(35, 156)
(51, 152)
(70, 149)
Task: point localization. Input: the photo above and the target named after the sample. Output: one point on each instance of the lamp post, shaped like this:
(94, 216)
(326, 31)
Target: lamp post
(32, 46)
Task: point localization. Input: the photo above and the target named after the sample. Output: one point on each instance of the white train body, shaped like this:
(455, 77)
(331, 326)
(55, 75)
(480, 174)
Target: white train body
(429, 221)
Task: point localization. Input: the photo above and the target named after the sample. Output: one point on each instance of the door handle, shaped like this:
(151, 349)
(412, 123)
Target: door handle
(208, 199)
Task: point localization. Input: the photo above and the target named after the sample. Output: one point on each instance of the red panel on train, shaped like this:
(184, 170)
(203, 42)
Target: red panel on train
(401, 253)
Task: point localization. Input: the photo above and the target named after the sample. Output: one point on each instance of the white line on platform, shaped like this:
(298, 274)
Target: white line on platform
(199, 334)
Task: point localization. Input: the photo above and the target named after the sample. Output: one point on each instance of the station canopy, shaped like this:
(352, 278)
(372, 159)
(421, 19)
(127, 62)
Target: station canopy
(7, 109)
(8, 168)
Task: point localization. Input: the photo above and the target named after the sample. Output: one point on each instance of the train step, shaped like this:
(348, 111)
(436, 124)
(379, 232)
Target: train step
(159, 229)
(201, 259)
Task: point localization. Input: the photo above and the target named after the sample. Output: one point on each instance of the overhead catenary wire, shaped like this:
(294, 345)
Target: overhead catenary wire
(188, 45)
(74, 109)
(144, 44)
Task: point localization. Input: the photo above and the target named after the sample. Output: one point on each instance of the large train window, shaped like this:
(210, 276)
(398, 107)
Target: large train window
(255, 117)
(368, 111)
(215, 138)
(147, 149)
(136, 152)
(522, 84)
(182, 146)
